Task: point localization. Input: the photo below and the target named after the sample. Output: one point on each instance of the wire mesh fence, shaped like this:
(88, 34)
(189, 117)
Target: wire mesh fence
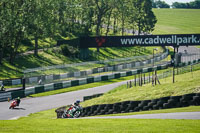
(106, 69)
(146, 78)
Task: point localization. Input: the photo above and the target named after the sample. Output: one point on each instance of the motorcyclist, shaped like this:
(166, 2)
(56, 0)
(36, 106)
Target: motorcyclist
(2, 87)
(75, 107)
(18, 101)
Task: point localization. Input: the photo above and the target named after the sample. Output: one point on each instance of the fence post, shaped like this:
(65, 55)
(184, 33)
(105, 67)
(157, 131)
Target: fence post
(24, 83)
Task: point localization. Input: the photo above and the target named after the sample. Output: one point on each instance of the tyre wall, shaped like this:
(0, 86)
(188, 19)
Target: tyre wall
(135, 106)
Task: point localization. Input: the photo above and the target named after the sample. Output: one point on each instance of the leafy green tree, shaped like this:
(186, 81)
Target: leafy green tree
(141, 16)
(161, 4)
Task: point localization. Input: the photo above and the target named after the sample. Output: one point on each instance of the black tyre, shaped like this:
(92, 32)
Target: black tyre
(146, 108)
(167, 105)
(172, 102)
(155, 107)
(144, 103)
(188, 97)
(176, 98)
(164, 99)
(196, 100)
(160, 103)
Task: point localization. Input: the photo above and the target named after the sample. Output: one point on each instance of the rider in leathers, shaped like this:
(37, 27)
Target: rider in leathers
(75, 107)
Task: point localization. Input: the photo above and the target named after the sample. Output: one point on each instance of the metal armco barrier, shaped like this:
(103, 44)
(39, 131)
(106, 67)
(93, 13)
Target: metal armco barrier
(64, 84)
(135, 106)
(118, 67)
(5, 96)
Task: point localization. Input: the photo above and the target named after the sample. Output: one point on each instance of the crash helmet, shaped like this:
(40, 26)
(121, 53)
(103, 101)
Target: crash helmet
(77, 102)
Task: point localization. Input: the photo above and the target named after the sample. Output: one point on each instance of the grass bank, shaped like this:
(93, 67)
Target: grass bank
(54, 56)
(177, 21)
(184, 84)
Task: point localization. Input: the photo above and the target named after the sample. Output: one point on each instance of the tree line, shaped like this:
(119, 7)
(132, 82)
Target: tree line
(192, 5)
(162, 4)
(159, 4)
(40, 19)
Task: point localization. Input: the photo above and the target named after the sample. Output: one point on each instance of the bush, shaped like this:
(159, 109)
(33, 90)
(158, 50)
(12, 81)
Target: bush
(68, 50)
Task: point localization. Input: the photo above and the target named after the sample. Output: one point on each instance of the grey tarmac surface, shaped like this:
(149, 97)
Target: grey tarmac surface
(33, 105)
(181, 115)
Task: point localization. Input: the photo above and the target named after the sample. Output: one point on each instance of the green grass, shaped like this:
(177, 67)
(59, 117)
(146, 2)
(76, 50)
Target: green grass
(184, 84)
(100, 125)
(177, 21)
(45, 121)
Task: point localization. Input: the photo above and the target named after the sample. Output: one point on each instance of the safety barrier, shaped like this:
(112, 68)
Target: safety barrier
(5, 96)
(135, 106)
(118, 67)
(92, 96)
(65, 84)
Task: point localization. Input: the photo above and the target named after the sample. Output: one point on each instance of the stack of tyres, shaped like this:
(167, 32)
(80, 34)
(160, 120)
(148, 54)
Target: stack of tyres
(100, 109)
(160, 103)
(109, 109)
(93, 110)
(186, 99)
(117, 108)
(132, 106)
(174, 101)
(196, 99)
(87, 111)
(124, 106)
(144, 105)
(152, 103)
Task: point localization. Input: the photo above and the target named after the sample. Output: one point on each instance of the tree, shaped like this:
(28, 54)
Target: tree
(40, 20)
(194, 5)
(142, 18)
(161, 4)
(123, 11)
(12, 28)
(102, 7)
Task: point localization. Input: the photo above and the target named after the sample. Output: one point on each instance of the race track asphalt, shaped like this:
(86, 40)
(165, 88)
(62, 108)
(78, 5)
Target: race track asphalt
(33, 105)
(180, 115)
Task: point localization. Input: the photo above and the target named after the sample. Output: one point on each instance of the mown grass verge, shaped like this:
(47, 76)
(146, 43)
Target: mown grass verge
(45, 121)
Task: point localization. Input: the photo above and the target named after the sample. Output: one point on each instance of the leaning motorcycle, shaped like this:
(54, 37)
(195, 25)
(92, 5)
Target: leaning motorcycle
(72, 112)
(13, 104)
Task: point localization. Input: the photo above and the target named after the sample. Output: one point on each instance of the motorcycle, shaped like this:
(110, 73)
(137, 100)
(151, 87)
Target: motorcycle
(13, 104)
(72, 112)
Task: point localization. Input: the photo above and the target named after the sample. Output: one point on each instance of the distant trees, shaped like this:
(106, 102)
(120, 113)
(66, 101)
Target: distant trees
(40, 19)
(193, 5)
(159, 4)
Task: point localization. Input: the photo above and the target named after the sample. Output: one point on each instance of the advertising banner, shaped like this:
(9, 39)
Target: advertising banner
(142, 40)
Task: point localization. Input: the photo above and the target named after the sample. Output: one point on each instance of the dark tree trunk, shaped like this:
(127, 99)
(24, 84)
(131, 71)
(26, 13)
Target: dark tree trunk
(36, 46)
(114, 25)
(108, 25)
(1, 55)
